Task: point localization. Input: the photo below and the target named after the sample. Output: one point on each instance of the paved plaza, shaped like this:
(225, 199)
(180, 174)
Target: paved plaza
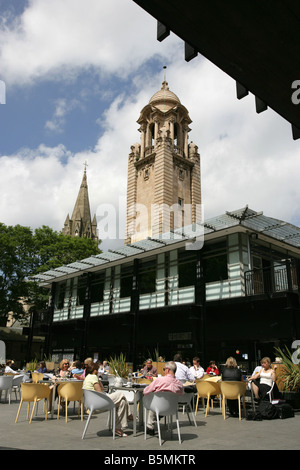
(212, 433)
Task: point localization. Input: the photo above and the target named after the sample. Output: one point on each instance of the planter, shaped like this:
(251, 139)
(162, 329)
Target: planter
(292, 398)
(159, 366)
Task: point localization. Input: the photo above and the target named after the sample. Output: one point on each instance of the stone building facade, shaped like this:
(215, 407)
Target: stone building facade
(164, 188)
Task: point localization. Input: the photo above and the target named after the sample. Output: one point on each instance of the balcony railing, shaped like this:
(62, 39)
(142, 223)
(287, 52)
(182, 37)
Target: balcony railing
(280, 278)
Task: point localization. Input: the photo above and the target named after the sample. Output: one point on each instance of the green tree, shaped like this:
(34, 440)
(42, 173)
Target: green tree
(15, 263)
(24, 253)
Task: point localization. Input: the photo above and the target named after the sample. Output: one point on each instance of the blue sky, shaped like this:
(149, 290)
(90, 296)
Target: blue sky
(77, 74)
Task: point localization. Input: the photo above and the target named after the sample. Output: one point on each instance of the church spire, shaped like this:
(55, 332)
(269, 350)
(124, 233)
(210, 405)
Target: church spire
(80, 224)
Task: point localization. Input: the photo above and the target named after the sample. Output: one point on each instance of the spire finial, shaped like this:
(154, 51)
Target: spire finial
(85, 165)
(165, 73)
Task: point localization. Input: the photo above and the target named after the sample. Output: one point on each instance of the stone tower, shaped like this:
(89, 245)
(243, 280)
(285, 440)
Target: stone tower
(163, 187)
(81, 224)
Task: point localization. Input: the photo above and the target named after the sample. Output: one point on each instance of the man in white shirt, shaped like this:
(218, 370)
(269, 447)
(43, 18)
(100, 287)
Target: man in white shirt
(182, 371)
(196, 370)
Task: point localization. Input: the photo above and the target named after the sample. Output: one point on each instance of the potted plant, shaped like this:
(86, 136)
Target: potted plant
(32, 366)
(289, 377)
(119, 367)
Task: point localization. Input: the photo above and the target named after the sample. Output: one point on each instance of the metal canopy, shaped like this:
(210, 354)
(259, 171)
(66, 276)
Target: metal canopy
(255, 42)
(252, 221)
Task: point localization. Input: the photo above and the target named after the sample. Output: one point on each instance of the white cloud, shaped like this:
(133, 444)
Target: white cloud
(58, 39)
(62, 108)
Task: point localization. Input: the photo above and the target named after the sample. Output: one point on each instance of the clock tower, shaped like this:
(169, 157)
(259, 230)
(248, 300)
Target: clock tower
(163, 187)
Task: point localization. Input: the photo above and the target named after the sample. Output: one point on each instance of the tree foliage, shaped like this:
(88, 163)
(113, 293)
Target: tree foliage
(23, 253)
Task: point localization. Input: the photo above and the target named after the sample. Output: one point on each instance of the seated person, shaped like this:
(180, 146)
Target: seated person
(231, 373)
(196, 369)
(64, 368)
(167, 383)
(92, 382)
(212, 369)
(149, 370)
(42, 368)
(87, 362)
(76, 368)
(182, 371)
(9, 367)
(266, 376)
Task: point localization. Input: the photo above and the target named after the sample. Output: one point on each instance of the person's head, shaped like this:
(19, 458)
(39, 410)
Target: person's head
(266, 362)
(42, 364)
(87, 362)
(9, 362)
(170, 368)
(149, 363)
(177, 358)
(64, 364)
(77, 364)
(91, 368)
(212, 364)
(231, 363)
(196, 361)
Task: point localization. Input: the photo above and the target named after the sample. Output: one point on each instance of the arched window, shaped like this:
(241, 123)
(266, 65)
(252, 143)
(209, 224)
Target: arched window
(176, 134)
(151, 134)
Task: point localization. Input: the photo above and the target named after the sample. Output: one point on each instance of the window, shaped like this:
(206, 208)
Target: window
(97, 288)
(215, 268)
(186, 268)
(81, 291)
(147, 276)
(60, 296)
(126, 281)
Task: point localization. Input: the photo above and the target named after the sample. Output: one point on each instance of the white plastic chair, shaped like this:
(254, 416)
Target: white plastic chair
(186, 401)
(16, 383)
(162, 404)
(6, 382)
(98, 401)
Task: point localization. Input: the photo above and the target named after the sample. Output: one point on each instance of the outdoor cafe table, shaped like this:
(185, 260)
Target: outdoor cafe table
(138, 399)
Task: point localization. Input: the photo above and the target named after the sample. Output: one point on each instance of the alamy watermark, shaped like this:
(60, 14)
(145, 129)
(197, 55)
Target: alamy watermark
(2, 352)
(2, 92)
(158, 221)
(296, 94)
(296, 354)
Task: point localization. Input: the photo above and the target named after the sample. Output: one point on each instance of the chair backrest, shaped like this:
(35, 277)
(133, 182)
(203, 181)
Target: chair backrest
(186, 398)
(31, 391)
(233, 390)
(205, 388)
(71, 391)
(6, 382)
(37, 377)
(165, 403)
(97, 401)
(17, 380)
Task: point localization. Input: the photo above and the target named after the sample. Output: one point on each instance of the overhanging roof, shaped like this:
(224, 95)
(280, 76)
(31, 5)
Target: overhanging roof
(282, 233)
(255, 42)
